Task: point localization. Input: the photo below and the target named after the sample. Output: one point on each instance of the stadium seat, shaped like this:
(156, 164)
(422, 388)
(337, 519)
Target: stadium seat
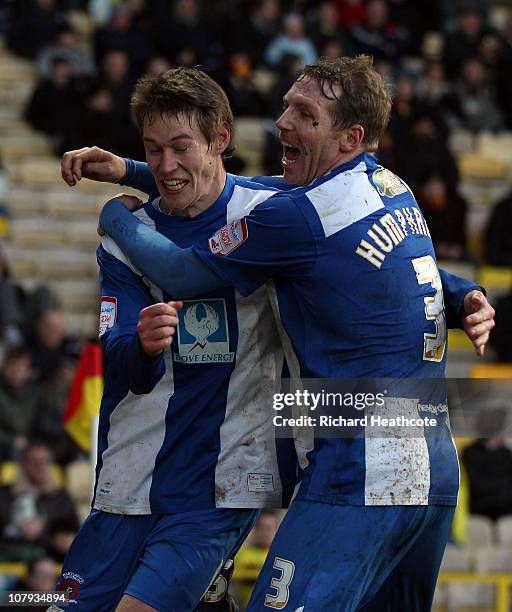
(481, 166)
(455, 559)
(491, 370)
(495, 279)
(480, 531)
(503, 529)
(493, 560)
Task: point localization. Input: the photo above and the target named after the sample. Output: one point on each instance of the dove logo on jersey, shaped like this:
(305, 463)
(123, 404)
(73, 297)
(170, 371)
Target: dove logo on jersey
(203, 335)
(229, 237)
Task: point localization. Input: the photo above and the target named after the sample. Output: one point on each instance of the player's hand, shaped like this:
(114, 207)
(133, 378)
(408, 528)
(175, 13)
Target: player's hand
(92, 163)
(478, 320)
(130, 201)
(156, 327)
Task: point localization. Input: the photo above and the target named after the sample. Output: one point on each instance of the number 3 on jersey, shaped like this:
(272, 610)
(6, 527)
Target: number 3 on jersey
(281, 584)
(426, 272)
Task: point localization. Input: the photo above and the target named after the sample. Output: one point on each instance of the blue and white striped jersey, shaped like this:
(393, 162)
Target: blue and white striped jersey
(359, 295)
(193, 428)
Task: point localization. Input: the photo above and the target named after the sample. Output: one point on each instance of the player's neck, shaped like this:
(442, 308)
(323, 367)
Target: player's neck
(214, 187)
(344, 158)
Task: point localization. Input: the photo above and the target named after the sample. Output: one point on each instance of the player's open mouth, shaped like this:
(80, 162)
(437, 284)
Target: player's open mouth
(175, 185)
(290, 154)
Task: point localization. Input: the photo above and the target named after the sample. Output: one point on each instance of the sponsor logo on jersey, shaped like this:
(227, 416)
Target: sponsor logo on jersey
(108, 313)
(388, 184)
(203, 334)
(229, 237)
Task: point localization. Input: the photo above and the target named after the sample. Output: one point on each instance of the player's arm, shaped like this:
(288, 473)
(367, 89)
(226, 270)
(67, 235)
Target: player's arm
(124, 296)
(467, 307)
(100, 165)
(273, 237)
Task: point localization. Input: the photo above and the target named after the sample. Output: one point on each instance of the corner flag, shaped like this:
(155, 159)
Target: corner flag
(85, 395)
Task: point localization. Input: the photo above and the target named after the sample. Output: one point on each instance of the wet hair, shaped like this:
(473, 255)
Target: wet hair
(358, 91)
(187, 91)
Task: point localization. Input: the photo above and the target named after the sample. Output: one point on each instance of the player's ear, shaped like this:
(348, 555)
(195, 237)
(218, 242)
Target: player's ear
(351, 138)
(223, 138)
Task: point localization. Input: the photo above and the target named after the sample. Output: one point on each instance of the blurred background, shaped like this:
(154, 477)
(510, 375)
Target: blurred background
(67, 69)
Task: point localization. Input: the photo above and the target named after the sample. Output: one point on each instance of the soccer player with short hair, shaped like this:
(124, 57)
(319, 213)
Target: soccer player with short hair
(186, 452)
(359, 295)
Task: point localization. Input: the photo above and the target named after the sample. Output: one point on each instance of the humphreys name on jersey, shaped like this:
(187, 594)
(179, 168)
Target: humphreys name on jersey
(389, 231)
(203, 334)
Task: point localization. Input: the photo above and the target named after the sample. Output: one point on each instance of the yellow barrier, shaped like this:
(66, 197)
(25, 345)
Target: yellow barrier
(502, 582)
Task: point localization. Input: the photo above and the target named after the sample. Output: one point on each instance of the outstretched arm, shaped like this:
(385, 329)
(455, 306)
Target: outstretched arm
(467, 308)
(100, 165)
(179, 272)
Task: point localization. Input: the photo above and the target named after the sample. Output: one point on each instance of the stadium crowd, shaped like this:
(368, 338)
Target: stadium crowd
(254, 50)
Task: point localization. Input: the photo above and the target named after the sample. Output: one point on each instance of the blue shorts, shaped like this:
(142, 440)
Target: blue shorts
(167, 560)
(348, 558)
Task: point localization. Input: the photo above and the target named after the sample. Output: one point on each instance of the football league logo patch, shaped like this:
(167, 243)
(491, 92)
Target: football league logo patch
(203, 335)
(388, 184)
(229, 237)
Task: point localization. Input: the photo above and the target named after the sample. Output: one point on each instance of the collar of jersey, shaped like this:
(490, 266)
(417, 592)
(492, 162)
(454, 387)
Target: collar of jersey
(152, 207)
(367, 158)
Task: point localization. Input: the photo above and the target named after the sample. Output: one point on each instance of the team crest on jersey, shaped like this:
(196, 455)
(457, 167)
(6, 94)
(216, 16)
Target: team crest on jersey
(203, 334)
(108, 313)
(71, 584)
(229, 237)
(388, 184)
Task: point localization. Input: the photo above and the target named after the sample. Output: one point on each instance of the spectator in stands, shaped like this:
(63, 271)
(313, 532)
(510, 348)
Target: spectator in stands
(451, 11)
(182, 25)
(498, 245)
(432, 87)
(252, 555)
(291, 41)
(34, 501)
(377, 35)
(65, 47)
(255, 34)
(34, 27)
(61, 534)
(423, 151)
(472, 105)
(463, 43)
(488, 464)
(240, 87)
(19, 402)
(501, 337)
(116, 77)
(53, 352)
(156, 65)
(403, 111)
(444, 211)
(496, 54)
(350, 12)
(11, 306)
(121, 35)
(41, 576)
(322, 27)
(55, 102)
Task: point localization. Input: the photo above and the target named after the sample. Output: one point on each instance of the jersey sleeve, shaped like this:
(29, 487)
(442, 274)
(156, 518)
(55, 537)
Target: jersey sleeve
(455, 289)
(275, 238)
(123, 296)
(138, 176)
